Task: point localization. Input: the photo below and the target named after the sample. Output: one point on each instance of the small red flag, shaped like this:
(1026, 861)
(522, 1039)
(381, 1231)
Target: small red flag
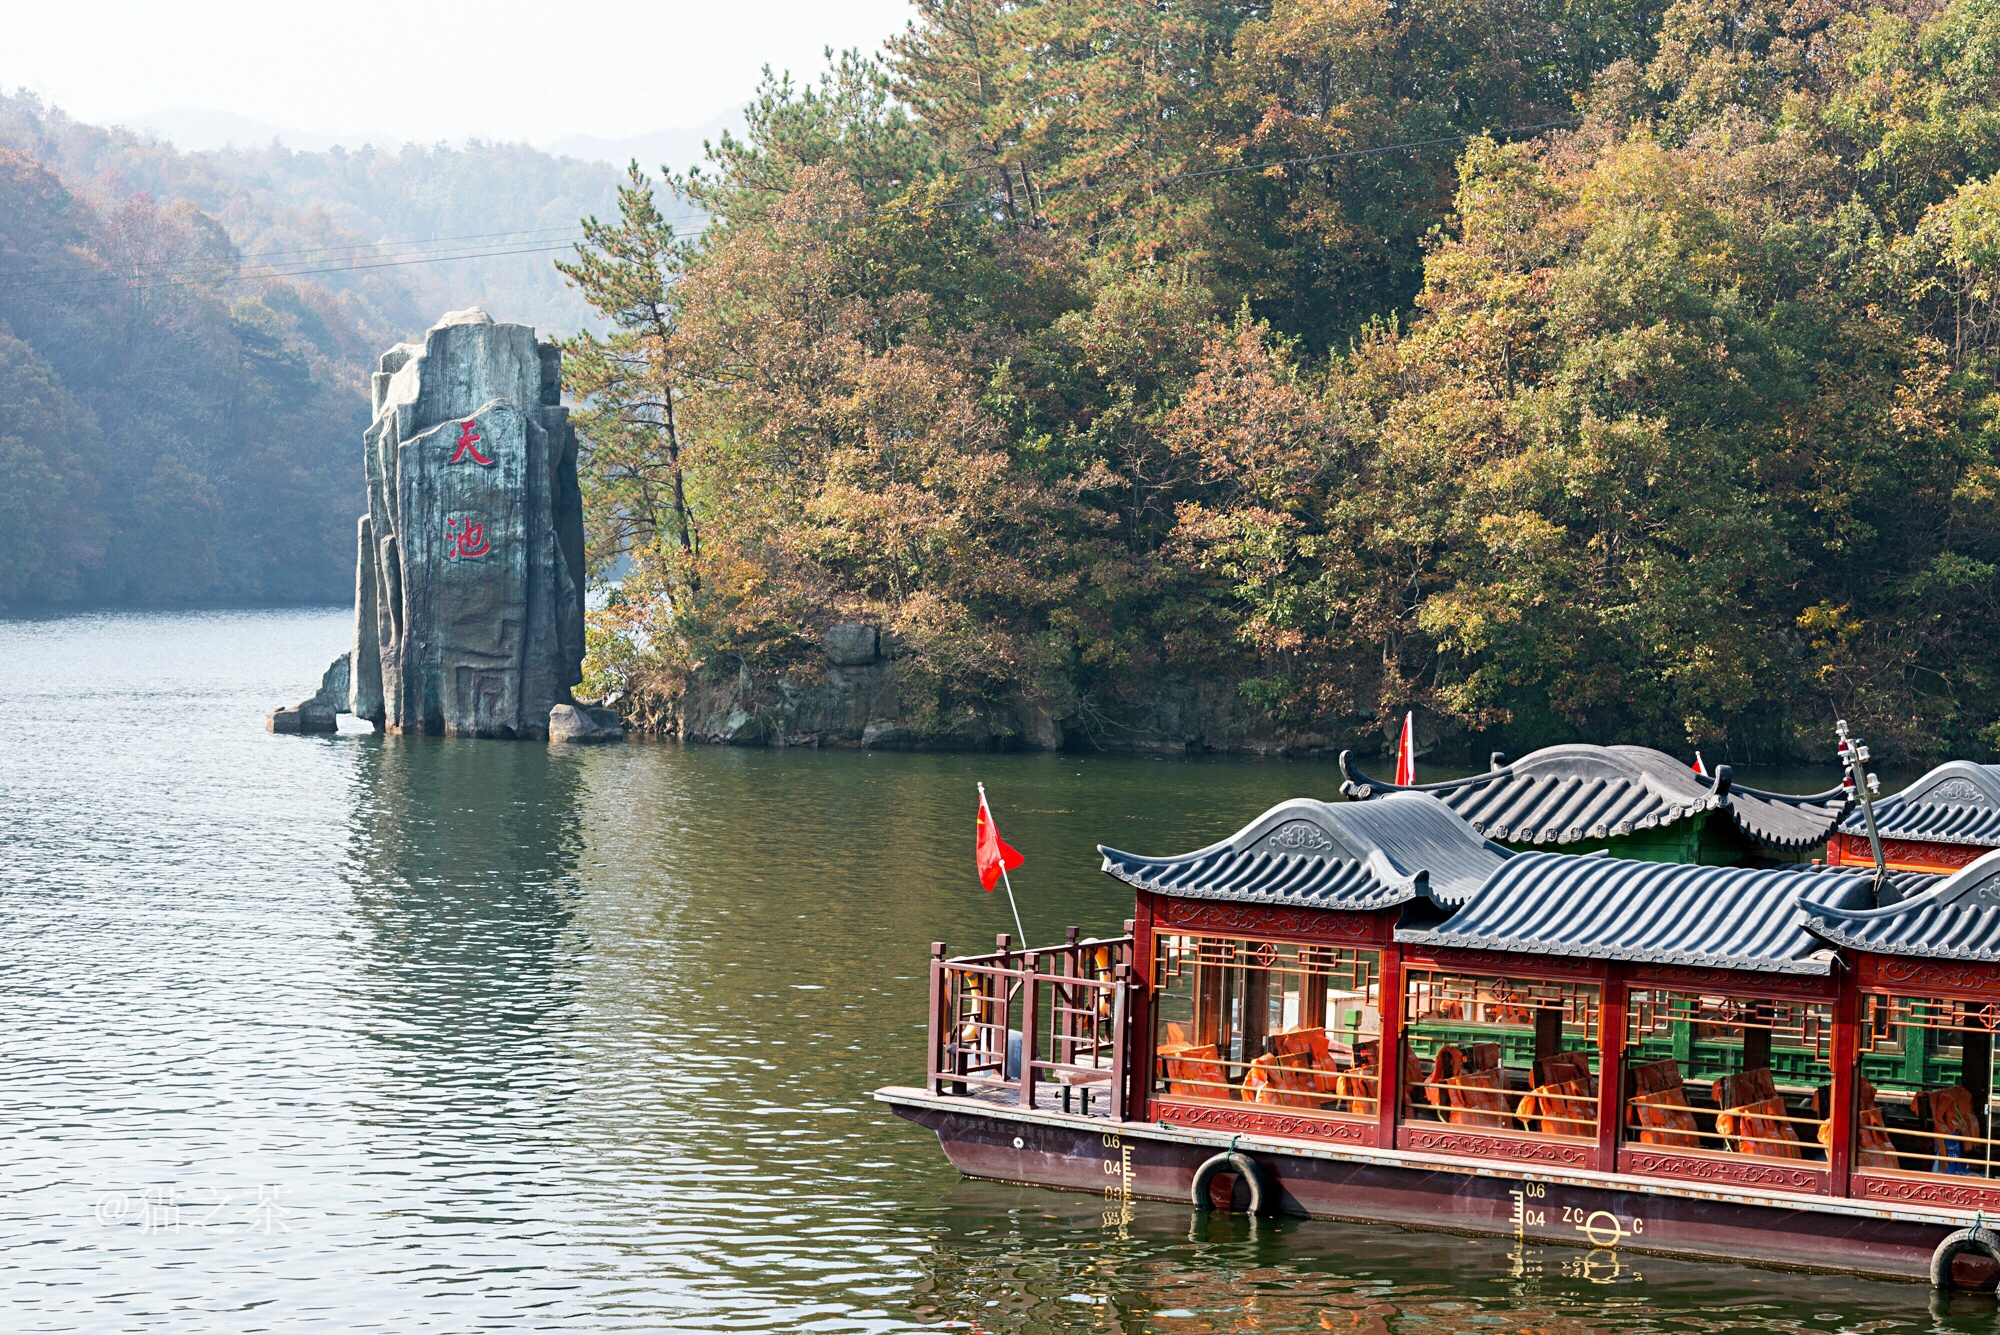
(990, 851)
(1406, 754)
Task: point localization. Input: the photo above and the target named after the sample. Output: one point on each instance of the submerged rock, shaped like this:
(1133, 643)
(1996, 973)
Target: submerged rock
(306, 716)
(585, 723)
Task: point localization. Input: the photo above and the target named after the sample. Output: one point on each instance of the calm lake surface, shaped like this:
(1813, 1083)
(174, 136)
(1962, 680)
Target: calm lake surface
(366, 1034)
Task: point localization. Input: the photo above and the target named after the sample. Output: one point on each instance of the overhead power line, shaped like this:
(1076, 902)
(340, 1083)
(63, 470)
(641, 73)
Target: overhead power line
(165, 271)
(135, 267)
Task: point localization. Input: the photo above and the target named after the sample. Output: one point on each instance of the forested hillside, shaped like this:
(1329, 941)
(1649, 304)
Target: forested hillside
(1623, 372)
(176, 423)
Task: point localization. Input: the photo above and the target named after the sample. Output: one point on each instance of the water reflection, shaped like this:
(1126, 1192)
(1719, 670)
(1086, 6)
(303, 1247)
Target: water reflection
(1019, 1259)
(556, 1039)
(461, 866)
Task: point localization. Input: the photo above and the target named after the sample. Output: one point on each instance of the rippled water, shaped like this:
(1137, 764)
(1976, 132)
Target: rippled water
(367, 1034)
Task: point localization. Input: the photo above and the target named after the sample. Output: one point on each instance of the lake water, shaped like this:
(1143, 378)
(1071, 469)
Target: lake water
(365, 1034)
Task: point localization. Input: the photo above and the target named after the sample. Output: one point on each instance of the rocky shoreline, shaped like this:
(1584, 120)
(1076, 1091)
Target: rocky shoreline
(855, 698)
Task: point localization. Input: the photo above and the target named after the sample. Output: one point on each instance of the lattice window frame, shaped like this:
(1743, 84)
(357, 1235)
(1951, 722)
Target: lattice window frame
(1581, 1002)
(1802, 1025)
(1345, 968)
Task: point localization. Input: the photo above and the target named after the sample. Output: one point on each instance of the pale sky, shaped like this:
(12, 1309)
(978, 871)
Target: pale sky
(425, 69)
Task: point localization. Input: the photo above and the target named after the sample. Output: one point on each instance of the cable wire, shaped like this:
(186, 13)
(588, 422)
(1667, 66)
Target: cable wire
(126, 274)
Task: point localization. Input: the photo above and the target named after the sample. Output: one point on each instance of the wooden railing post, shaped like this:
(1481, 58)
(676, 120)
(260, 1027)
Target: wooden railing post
(1029, 1047)
(935, 1061)
(1133, 1039)
(1610, 1067)
(1121, 992)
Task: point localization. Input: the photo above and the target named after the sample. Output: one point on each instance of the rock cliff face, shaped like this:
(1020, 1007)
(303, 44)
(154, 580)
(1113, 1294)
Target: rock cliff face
(857, 698)
(468, 609)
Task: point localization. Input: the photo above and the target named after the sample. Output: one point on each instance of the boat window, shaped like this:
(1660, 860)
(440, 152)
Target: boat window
(1266, 1022)
(1728, 1075)
(1503, 1053)
(1923, 1104)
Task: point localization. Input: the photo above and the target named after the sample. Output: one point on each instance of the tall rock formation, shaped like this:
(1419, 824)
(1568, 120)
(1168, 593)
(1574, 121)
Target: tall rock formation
(468, 602)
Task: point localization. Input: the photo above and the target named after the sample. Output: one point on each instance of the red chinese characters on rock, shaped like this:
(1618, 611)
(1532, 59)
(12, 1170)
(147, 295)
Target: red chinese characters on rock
(463, 538)
(468, 446)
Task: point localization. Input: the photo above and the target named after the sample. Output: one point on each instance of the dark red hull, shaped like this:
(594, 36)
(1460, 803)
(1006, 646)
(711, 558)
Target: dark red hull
(1118, 1160)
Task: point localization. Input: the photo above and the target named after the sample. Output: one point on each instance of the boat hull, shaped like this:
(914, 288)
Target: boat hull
(1123, 1160)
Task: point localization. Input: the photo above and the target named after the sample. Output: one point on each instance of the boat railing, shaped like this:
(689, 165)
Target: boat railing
(1032, 1027)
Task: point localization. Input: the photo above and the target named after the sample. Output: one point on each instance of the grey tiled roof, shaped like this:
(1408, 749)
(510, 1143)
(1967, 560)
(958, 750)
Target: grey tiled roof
(1896, 885)
(1956, 803)
(1957, 918)
(1563, 794)
(1315, 855)
(1650, 912)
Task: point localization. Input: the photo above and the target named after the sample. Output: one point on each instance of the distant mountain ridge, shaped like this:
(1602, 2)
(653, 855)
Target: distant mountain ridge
(207, 130)
(186, 338)
(364, 221)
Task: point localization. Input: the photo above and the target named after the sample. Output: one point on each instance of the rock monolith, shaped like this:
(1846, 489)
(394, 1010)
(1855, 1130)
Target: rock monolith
(468, 601)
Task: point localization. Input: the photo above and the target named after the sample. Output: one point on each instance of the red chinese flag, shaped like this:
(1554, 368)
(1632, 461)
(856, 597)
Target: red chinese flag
(1406, 754)
(990, 851)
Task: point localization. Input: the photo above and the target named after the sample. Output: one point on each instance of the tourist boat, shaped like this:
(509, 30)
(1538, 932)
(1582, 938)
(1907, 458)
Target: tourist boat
(1943, 821)
(1787, 1065)
(1632, 802)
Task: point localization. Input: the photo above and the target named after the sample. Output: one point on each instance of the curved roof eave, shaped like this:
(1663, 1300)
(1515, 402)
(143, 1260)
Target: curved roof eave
(1307, 853)
(1956, 918)
(1563, 794)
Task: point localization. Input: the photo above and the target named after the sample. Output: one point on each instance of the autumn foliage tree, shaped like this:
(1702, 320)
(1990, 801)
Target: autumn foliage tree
(1617, 372)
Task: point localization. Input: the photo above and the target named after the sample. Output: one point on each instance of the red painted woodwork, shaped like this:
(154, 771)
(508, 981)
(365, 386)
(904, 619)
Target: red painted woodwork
(1733, 982)
(1958, 1193)
(1138, 1037)
(1851, 850)
(1254, 1119)
(1610, 1065)
(1316, 926)
(1438, 1138)
(1505, 964)
(1767, 1174)
(1389, 1048)
(1846, 1065)
(1959, 978)
(1159, 913)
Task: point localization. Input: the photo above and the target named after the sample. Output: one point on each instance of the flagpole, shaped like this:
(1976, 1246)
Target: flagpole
(1016, 907)
(1019, 930)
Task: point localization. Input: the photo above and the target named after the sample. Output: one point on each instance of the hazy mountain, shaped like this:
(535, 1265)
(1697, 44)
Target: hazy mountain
(204, 129)
(675, 149)
(412, 231)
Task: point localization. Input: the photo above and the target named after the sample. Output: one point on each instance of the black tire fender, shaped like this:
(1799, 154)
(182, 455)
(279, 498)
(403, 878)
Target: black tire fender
(1263, 1196)
(1956, 1245)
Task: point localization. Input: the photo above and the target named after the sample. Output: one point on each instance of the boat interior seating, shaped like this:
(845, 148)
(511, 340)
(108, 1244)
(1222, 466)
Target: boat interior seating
(1563, 1067)
(1561, 1108)
(1875, 1149)
(1659, 1109)
(1468, 1086)
(1752, 1116)
(1196, 1070)
(1953, 1125)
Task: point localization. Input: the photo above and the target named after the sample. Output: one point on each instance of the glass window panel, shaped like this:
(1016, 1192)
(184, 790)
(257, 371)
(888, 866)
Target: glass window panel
(1267, 1022)
(1502, 1053)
